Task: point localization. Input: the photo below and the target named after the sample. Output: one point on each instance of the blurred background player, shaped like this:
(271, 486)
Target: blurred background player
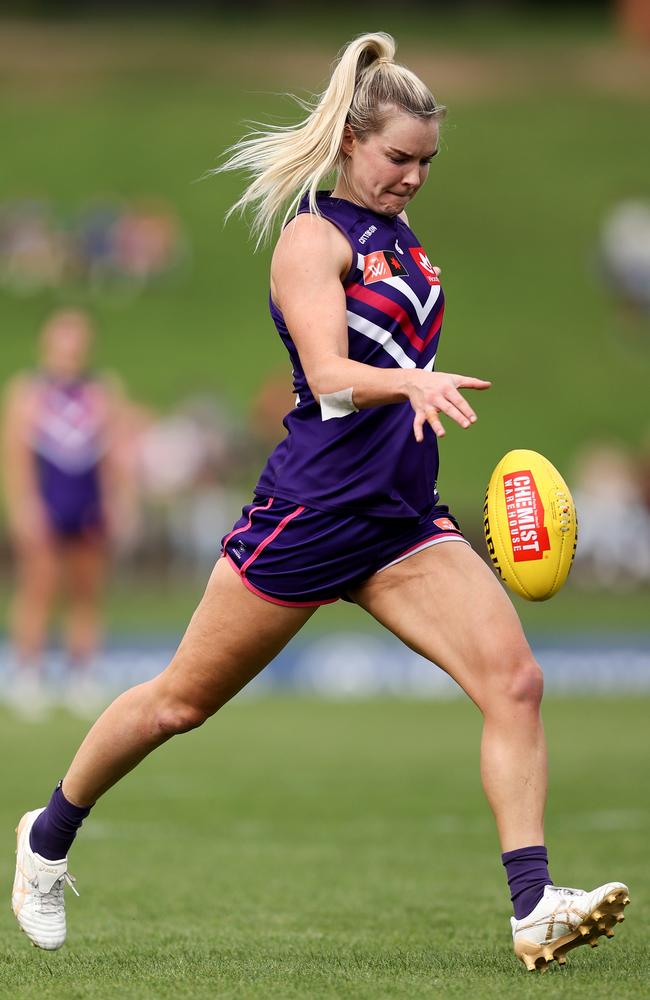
(66, 496)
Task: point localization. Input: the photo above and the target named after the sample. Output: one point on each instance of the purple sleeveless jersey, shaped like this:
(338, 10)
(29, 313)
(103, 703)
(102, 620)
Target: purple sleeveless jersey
(67, 439)
(369, 462)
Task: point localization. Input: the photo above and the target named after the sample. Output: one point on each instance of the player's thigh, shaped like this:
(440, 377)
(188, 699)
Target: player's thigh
(232, 635)
(446, 604)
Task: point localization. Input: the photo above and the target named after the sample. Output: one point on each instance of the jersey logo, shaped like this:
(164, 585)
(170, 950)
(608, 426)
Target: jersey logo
(425, 265)
(238, 549)
(381, 265)
(368, 233)
(445, 524)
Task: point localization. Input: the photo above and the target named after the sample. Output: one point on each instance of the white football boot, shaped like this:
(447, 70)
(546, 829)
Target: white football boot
(566, 918)
(37, 898)
(27, 696)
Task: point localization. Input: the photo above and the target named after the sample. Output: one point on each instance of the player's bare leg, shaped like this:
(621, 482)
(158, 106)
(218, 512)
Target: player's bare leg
(86, 563)
(36, 583)
(231, 637)
(233, 634)
(37, 577)
(447, 605)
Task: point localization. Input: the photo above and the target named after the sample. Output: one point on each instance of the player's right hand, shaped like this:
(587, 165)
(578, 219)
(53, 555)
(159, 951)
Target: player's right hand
(433, 393)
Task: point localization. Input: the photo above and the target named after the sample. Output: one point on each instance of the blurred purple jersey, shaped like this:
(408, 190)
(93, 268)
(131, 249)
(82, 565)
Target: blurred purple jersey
(68, 440)
(368, 462)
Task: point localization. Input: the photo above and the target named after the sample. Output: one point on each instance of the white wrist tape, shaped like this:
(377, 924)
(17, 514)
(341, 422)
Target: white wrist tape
(337, 404)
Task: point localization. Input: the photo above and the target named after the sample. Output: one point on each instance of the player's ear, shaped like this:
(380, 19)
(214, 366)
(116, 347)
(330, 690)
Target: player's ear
(348, 141)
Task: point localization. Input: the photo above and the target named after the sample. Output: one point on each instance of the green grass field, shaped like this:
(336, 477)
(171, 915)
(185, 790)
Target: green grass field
(295, 848)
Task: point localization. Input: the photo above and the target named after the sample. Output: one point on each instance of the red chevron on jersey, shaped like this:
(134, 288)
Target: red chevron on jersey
(419, 256)
(390, 308)
(397, 313)
(380, 265)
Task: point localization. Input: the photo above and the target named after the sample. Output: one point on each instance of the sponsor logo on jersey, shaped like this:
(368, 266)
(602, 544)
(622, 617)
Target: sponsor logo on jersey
(425, 265)
(525, 513)
(398, 248)
(445, 524)
(368, 233)
(381, 265)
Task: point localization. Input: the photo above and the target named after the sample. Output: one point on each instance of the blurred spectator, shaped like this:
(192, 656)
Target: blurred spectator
(69, 497)
(273, 400)
(32, 250)
(146, 242)
(110, 245)
(190, 464)
(645, 473)
(613, 521)
(625, 252)
(634, 20)
(95, 253)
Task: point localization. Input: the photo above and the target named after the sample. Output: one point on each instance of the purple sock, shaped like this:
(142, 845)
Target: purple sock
(527, 871)
(54, 830)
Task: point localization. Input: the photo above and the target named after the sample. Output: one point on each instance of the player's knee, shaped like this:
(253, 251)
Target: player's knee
(513, 678)
(176, 717)
(526, 681)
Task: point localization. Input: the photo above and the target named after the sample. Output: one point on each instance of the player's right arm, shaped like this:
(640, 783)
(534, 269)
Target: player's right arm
(309, 264)
(25, 513)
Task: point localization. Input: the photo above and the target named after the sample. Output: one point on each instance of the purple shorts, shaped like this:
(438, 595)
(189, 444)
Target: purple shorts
(301, 557)
(72, 501)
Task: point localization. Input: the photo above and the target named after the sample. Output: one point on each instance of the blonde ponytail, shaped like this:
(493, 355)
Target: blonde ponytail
(287, 162)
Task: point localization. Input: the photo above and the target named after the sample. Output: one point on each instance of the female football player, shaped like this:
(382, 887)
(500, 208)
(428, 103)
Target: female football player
(347, 504)
(62, 486)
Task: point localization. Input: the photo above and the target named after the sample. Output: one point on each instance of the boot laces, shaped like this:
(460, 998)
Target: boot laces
(52, 901)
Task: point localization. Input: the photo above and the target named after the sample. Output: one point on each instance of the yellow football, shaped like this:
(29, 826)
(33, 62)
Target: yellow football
(530, 523)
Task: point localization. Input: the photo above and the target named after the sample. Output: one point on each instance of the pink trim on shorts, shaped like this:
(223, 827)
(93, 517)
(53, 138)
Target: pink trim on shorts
(238, 531)
(454, 536)
(276, 600)
(269, 538)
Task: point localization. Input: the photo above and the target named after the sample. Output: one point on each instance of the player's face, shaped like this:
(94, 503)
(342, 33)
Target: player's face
(66, 344)
(385, 170)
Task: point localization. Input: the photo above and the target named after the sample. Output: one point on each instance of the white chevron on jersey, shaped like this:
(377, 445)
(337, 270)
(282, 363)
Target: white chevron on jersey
(382, 337)
(422, 309)
(68, 433)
